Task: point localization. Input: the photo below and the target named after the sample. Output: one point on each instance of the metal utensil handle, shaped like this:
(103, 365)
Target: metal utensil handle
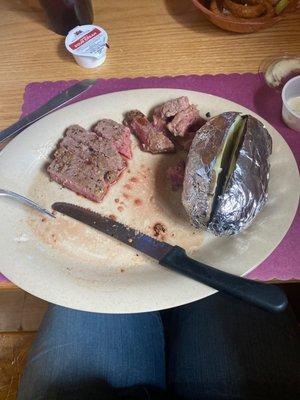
(57, 101)
(19, 126)
(265, 296)
(25, 201)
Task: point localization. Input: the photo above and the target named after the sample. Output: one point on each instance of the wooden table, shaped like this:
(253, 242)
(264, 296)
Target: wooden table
(147, 37)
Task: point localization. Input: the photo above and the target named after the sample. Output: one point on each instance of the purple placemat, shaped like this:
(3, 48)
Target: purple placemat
(248, 90)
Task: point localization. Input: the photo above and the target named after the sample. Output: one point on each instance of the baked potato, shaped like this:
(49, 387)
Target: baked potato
(227, 173)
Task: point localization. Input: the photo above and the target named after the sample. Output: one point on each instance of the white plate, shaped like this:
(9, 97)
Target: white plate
(67, 263)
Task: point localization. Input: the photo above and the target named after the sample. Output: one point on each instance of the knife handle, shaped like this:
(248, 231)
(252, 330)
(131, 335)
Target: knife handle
(266, 296)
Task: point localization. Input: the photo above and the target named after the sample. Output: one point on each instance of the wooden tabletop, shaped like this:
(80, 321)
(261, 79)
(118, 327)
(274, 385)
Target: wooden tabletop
(152, 37)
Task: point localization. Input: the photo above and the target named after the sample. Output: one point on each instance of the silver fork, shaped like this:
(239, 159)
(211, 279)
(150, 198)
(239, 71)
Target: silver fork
(24, 200)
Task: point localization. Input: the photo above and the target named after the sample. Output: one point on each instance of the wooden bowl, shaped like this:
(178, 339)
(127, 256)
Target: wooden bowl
(241, 25)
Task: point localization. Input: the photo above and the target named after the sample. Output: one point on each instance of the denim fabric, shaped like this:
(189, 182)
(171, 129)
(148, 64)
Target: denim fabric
(213, 349)
(221, 348)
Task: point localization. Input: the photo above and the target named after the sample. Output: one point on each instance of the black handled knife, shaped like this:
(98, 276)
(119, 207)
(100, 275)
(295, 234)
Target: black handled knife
(57, 101)
(265, 296)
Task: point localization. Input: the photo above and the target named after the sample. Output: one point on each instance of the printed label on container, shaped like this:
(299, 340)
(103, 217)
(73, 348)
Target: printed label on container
(87, 40)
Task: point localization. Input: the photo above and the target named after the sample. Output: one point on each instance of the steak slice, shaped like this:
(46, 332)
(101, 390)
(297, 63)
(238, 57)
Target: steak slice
(174, 106)
(75, 131)
(151, 139)
(175, 174)
(86, 163)
(185, 121)
(82, 142)
(77, 175)
(163, 113)
(117, 133)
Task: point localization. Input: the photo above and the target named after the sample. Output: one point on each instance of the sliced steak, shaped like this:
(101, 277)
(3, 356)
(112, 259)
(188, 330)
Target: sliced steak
(117, 133)
(174, 106)
(175, 175)
(186, 121)
(86, 163)
(163, 113)
(75, 131)
(82, 142)
(151, 139)
(75, 173)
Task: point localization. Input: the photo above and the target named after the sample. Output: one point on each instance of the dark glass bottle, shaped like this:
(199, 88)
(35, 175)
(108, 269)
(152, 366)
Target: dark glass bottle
(64, 15)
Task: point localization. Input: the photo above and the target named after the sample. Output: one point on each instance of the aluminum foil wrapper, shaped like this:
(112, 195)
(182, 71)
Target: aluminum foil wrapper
(199, 180)
(247, 189)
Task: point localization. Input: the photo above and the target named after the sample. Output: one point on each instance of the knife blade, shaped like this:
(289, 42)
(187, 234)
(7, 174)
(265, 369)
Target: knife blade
(64, 97)
(266, 296)
(133, 238)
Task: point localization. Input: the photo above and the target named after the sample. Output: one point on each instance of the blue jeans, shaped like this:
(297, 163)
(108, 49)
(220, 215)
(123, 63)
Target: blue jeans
(216, 348)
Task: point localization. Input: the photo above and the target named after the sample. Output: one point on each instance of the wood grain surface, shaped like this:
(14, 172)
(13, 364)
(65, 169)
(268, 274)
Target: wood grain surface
(14, 348)
(152, 37)
(147, 37)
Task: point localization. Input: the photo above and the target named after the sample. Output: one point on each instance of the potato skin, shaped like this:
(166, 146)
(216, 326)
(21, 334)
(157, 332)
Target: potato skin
(247, 189)
(200, 177)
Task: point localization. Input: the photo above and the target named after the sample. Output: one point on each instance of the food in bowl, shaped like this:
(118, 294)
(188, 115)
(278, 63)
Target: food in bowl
(271, 13)
(248, 8)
